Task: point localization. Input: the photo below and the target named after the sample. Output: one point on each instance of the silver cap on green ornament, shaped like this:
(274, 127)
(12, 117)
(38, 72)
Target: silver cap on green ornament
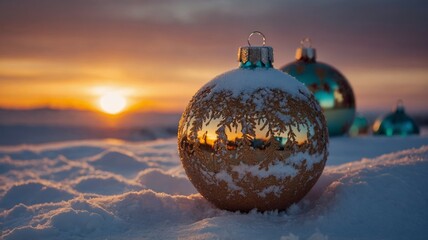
(305, 52)
(255, 56)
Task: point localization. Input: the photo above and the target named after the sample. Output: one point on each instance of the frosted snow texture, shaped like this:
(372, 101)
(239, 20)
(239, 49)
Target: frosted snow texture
(51, 196)
(249, 80)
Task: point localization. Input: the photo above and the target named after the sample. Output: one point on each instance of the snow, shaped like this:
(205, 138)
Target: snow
(119, 162)
(104, 185)
(371, 188)
(164, 182)
(278, 169)
(30, 193)
(249, 80)
(309, 159)
(225, 177)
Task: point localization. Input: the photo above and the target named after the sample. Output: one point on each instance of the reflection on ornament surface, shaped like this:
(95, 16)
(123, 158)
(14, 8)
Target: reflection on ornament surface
(360, 126)
(396, 123)
(330, 87)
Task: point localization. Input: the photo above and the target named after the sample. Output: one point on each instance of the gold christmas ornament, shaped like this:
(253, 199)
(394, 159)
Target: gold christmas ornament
(253, 137)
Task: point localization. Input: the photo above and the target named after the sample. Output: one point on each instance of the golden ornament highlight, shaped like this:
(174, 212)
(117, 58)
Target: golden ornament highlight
(253, 137)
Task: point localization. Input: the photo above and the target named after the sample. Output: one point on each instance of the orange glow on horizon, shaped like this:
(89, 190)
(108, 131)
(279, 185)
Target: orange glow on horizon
(37, 83)
(161, 54)
(41, 83)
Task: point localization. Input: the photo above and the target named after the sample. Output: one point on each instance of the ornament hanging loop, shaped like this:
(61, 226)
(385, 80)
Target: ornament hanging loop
(306, 43)
(258, 33)
(255, 56)
(400, 106)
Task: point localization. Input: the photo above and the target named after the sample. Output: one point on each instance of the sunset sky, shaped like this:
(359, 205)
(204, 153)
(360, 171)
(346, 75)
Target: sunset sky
(66, 54)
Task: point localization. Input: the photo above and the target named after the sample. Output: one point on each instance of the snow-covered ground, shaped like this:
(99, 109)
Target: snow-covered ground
(372, 188)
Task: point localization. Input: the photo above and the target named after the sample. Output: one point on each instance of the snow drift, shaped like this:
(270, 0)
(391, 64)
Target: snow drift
(120, 190)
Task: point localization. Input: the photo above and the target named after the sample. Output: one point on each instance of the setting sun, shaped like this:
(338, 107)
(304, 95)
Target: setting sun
(112, 103)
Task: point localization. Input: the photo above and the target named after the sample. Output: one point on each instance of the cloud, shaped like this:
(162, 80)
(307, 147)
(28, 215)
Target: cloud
(151, 42)
(190, 30)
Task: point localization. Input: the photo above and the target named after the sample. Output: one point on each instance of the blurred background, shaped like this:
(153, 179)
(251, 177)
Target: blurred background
(126, 69)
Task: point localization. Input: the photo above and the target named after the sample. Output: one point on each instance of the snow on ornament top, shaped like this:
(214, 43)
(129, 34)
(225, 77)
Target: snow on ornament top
(253, 137)
(242, 80)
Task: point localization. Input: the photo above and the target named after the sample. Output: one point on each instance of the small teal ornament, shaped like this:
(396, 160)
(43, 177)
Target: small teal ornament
(396, 123)
(330, 87)
(360, 126)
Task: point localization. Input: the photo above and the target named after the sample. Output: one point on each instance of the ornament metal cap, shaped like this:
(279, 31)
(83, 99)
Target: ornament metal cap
(255, 56)
(399, 108)
(305, 52)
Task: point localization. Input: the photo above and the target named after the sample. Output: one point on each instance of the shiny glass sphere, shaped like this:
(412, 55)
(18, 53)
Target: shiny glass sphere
(396, 123)
(253, 138)
(360, 126)
(331, 89)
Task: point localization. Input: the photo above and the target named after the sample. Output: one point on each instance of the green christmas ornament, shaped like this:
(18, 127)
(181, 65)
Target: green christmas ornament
(330, 87)
(396, 123)
(360, 126)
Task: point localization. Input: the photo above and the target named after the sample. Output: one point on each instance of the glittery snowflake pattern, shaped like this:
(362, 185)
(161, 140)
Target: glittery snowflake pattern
(260, 149)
